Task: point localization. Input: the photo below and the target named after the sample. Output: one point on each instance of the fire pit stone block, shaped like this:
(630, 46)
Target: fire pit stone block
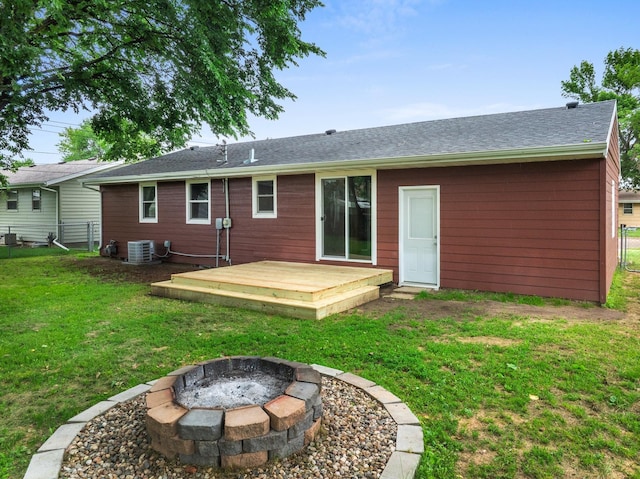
(245, 460)
(285, 411)
(245, 423)
(308, 392)
(201, 424)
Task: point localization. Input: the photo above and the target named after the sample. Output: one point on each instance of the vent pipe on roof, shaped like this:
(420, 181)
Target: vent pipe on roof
(330, 132)
(252, 158)
(193, 148)
(572, 104)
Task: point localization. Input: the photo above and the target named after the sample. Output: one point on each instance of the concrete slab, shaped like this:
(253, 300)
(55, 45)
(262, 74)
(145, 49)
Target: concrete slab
(95, 410)
(401, 465)
(63, 437)
(45, 465)
(382, 395)
(326, 371)
(401, 414)
(410, 439)
(130, 393)
(394, 295)
(357, 381)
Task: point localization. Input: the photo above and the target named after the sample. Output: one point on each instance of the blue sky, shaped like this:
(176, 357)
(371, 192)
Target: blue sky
(401, 61)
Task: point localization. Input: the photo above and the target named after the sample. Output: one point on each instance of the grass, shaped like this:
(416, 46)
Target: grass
(503, 396)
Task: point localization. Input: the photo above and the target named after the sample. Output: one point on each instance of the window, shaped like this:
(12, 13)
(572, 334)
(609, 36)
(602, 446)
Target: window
(12, 200)
(198, 204)
(627, 208)
(35, 200)
(264, 197)
(148, 203)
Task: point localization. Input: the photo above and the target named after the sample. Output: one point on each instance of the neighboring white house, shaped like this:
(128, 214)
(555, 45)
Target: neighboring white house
(46, 199)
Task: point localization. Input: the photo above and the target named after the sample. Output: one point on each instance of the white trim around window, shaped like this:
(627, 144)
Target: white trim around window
(148, 202)
(198, 200)
(13, 198)
(264, 197)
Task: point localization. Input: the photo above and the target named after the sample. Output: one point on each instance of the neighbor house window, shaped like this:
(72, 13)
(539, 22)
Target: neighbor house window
(198, 204)
(12, 200)
(264, 197)
(628, 208)
(35, 200)
(148, 203)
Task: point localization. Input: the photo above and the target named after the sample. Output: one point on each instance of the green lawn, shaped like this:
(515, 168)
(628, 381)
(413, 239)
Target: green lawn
(499, 396)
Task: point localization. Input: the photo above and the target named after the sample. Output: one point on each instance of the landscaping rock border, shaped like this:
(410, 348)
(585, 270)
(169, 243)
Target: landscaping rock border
(402, 464)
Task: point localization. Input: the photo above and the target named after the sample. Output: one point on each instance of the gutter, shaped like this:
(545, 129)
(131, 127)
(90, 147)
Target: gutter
(555, 153)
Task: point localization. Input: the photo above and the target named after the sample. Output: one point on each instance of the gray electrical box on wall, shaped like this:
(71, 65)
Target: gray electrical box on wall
(218, 223)
(226, 222)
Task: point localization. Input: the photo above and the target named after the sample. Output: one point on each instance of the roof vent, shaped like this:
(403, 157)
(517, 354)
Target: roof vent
(252, 158)
(193, 147)
(330, 132)
(572, 104)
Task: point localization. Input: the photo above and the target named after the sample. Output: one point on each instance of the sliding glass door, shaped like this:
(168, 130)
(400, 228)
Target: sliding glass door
(346, 220)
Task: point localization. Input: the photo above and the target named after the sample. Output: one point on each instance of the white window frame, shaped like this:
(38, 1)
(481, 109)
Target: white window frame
(39, 199)
(374, 214)
(16, 199)
(254, 197)
(189, 202)
(141, 187)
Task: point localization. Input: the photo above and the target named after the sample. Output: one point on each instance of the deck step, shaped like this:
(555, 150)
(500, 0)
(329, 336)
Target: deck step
(304, 309)
(296, 281)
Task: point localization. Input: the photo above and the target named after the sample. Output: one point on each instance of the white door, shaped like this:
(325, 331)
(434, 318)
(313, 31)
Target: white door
(419, 244)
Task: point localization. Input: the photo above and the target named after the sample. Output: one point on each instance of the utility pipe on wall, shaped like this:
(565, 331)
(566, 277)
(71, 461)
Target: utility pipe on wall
(225, 183)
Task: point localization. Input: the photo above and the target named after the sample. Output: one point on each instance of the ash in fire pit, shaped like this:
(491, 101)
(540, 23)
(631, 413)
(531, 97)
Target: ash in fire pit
(235, 412)
(233, 390)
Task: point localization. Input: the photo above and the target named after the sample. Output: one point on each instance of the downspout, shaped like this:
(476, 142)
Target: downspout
(98, 190)
(226, 200)
(57, 208)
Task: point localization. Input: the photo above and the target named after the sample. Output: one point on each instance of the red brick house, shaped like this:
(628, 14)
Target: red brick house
(522, 202)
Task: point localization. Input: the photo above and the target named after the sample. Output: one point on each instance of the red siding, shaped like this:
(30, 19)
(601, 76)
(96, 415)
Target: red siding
(530, 228)
(290, 236)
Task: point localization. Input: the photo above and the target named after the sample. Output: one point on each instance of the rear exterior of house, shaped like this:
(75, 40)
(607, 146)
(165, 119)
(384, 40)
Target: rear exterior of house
(538, 216)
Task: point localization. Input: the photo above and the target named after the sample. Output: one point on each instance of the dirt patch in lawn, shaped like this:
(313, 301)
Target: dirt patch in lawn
(109, 269)
(437, 309)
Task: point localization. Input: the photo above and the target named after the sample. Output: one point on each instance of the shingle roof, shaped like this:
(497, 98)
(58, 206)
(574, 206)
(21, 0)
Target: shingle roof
(545, 128)
(48, 173)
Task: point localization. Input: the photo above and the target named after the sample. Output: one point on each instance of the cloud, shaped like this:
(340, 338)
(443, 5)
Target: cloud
(375, 16)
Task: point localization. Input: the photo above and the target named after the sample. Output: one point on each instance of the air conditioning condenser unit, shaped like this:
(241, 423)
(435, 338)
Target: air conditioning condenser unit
(140, 252)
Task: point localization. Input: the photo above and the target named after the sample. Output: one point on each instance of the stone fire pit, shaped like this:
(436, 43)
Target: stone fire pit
(235, 412)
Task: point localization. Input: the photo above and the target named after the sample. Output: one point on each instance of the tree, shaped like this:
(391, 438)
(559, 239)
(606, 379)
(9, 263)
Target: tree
(157, 69)
(81, 143)
(620, 81)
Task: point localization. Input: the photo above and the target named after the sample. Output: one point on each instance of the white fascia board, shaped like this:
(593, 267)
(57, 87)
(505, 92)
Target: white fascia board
(555, 153)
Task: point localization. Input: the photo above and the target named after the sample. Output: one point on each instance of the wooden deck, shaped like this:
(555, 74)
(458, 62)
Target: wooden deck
(308, 291)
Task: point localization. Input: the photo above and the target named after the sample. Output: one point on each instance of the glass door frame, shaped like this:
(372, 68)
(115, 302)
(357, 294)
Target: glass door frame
(345, 174)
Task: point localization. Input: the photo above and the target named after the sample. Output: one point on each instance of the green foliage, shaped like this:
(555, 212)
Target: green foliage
(81, 143)
(153, 71)
(620, 82)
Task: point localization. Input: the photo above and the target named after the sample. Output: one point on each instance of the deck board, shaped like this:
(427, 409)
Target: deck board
(294, 289)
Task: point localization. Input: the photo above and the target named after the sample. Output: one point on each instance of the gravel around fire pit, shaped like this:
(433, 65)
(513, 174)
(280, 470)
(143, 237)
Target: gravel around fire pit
(358, 436)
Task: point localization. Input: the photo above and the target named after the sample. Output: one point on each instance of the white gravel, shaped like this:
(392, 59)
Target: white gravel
(356, 442)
